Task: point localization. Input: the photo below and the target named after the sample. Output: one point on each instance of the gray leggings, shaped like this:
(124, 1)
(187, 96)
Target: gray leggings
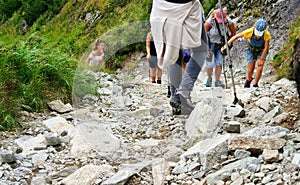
(193, 67)
(175, 73)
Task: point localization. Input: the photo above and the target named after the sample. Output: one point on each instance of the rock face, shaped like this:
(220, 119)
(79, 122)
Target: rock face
(127, 134)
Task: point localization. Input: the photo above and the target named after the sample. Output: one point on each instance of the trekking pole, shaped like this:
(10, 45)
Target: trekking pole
(236, 100)
(224, 72)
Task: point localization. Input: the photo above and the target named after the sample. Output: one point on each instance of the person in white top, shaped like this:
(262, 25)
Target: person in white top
(97, 55)
(215, 32)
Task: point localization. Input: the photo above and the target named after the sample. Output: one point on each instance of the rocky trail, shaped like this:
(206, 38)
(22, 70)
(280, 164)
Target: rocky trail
(127, 134)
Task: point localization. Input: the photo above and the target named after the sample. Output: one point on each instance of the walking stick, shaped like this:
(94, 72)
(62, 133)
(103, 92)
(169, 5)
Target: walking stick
(236, 100)
(224, 72)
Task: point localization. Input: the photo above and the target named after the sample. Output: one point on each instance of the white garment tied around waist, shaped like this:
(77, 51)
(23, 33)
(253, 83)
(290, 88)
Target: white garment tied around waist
(177, 26)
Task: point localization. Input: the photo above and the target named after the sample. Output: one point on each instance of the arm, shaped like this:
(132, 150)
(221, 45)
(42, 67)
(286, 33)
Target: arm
(232, 30)
(207, 26)
(148, 46)
(235, 37)
(231, 40)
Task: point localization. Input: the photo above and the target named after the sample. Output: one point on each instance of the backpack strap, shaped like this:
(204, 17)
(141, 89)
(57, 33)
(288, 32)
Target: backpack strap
(218, 27)
(219, 31)
(255, 49)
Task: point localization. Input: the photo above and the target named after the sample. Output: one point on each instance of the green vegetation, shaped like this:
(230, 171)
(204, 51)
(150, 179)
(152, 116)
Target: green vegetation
(38, 61)
(208, 5)
(256, 13)
(31, 74)
(282, 60)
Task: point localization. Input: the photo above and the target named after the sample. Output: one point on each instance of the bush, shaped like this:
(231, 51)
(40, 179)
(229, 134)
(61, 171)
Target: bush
(8, 7)
(29, 74)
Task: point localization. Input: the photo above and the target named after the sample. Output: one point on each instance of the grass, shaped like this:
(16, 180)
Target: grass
(282, 60)
(31, 76)
(39, 64)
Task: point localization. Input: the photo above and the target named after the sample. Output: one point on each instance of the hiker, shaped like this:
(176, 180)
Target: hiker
(96, 57)
(152, 59)
(215, 32)
(179, 24)
(258, 45)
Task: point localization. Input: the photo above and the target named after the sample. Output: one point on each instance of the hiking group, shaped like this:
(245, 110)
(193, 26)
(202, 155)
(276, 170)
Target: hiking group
(178, 26)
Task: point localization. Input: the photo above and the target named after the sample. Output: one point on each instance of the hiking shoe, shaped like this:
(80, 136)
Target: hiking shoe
(158, 81)
(247, 84)
(187, 105)
(169, 92)
(218, 83)
(255, 85)
(176, 111)
(175, 102)
(208, 82)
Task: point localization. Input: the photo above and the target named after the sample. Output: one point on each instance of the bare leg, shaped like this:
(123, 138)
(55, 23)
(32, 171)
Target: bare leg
(259, 70)
(218, 71)
(209, 72)
(251, 66)
(159, 73)
(183, 67)
(153, 75)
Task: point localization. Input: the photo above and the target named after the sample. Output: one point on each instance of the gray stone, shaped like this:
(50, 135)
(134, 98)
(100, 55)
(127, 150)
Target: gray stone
(270, 156)
(238, 165)
(7, 156)
(160, 169)
(92, 136)
(201, 121)
(125, 172)
(232, 127)
(86, 175)
(58, 125)
(240, 154)
(59, 106)
(209, 151)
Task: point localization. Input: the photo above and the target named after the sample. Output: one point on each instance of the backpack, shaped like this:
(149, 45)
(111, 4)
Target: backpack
(219, 46)
(256, 45)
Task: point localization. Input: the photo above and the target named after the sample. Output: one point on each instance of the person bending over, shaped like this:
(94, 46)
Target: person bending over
(258, 46)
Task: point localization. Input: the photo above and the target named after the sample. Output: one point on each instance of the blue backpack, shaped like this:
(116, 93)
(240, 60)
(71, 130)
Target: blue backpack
(256, 44)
